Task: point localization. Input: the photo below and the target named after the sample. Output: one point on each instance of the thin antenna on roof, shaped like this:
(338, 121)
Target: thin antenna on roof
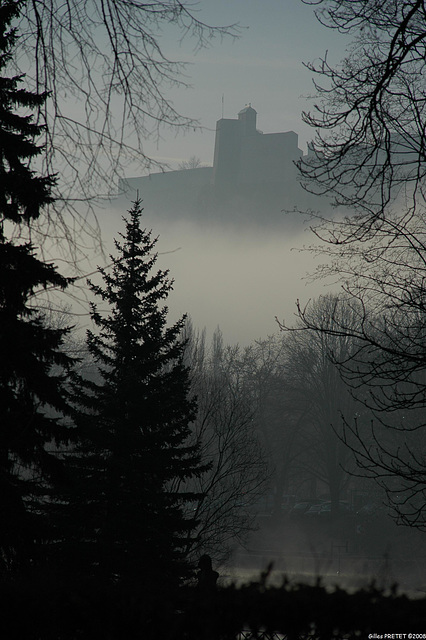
(223, 102)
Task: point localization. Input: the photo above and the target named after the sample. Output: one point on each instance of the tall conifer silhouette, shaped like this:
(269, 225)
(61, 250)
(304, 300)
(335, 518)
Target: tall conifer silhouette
(32, 397)
(137, 424)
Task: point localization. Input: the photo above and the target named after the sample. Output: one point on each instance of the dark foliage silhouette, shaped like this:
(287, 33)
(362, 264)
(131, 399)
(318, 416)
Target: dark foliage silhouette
(33, 397)
(135, 428)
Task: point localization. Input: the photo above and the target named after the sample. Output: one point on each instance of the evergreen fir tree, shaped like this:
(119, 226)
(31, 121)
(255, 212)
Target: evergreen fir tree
(23, 193)
(135, 450)
(30, 393)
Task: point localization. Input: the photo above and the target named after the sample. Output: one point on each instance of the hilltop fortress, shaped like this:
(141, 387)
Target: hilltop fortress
(253, 178)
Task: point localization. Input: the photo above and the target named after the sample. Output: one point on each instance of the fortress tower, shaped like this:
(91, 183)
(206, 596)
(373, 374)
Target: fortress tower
(243, 155)
(247, 119)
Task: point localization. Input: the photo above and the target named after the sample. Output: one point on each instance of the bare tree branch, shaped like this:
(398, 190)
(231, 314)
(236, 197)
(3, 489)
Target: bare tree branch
(108, 74)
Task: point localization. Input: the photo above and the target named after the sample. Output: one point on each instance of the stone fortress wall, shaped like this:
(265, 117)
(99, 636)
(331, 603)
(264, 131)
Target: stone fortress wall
(253, 177)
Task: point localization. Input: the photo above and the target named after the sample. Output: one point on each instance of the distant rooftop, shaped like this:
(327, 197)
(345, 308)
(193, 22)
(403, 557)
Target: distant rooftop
(247, 108)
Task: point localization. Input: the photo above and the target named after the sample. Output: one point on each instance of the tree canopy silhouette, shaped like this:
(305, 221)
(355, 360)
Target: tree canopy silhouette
(33, 368)
(136, 427)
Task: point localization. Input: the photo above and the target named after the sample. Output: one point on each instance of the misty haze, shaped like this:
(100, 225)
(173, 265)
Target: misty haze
(235, 236)
(212, 320)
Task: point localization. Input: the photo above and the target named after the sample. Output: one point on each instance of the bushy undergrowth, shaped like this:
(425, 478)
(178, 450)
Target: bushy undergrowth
(37, 609)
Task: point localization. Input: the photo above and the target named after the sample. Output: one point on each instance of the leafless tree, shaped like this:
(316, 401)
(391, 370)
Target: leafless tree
(369, 156)
(317, 394)
(226, 426)
(278, 424)
(106, 68)
(384, 370)
(369, 152)
(193, 163)
(370, 110)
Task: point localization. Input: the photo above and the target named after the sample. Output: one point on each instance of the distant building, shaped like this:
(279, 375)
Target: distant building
(245, 156)
(253, 178)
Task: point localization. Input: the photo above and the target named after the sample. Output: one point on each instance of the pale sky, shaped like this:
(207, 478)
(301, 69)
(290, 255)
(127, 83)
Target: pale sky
(264, 67)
